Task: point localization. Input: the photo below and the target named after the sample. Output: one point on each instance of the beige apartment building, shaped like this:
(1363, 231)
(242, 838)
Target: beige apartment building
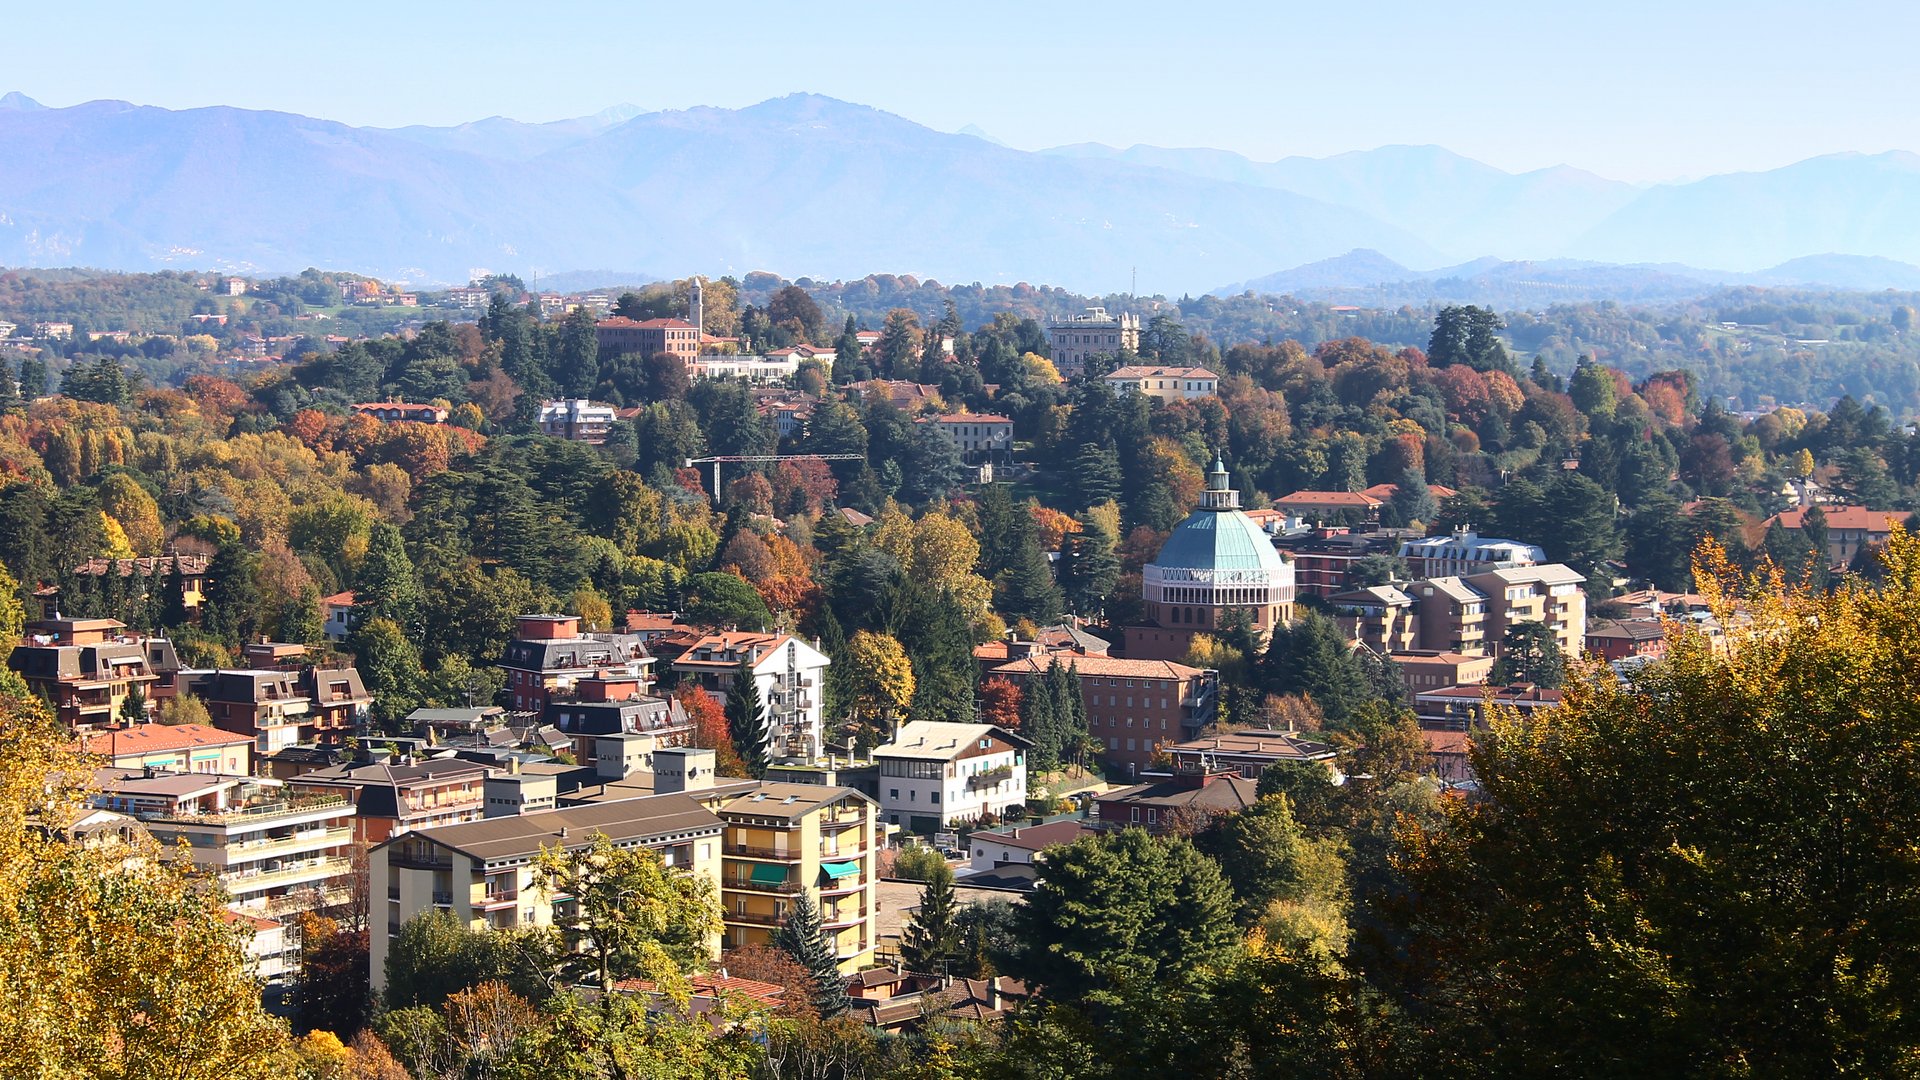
(784, 838)
(1472, 615)
(482, 872)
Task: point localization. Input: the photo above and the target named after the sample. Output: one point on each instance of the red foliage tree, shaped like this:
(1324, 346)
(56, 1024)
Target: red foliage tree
(710, 730)
(1000, 701)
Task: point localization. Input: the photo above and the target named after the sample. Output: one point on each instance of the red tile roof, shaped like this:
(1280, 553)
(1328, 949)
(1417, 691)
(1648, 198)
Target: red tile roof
(1338, 499)
(1099, 667)
(713, 986)
(158, 738)
(1844, 517)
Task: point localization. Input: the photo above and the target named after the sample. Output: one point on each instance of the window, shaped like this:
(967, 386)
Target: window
(934, 798)
(893, 793)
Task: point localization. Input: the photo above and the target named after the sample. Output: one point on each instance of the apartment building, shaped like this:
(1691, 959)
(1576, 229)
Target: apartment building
(577, 420)
(1323, 558)
(270, 707)
(1549, 594)
(648, 337)
(1850, 529)
(1453, 616)
(1132, 706)
(182, 748)
(549, 655)
(1165, 383)
(1465, 552)
(784, 838)
(482, 872)
(1382, 617)
(87, 668)
(935, 775)
(614, 726)
(391, 799)
(1432, 669)
(277, 852)
(788, 672)
(1078, 338)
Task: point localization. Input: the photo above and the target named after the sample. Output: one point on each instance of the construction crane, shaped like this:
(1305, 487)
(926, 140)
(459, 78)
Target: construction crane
(763, 459)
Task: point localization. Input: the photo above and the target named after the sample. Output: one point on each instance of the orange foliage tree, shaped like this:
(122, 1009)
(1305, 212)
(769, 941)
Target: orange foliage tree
(710, 730)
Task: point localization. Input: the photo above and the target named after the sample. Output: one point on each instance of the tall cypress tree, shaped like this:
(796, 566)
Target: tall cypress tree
(806, 941)
(388, 587)
(747, 719)
(1039, 724)
(932, 939)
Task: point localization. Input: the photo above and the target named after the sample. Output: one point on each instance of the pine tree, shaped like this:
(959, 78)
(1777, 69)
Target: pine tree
(173, 609)
(302, 621)
(1040, 725)
(1096, 474)
(1029, 591)
(806, 941)
(231, 612)
(388, 587)
(747, 719)
(932, 940)
(1095, 570)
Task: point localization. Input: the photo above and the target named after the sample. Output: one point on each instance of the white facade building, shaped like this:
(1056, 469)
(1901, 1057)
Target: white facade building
(1466, 552)
(789, 674)
(934, 775)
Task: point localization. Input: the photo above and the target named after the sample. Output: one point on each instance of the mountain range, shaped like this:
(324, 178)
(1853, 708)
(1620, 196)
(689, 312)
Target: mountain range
(809, 186)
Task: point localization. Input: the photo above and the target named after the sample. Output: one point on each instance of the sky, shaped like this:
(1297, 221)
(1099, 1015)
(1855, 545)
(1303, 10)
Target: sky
(1633, 90)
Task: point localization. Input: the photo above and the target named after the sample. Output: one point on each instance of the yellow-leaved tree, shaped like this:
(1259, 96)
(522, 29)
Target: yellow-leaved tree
(882, 678)
(114, 962)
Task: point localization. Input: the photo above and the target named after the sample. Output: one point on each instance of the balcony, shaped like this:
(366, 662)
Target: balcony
(990, 778)
(841, 920)
(304, 839)
(755, 918)
(746, 885)
(502, 898)
(249, 881)
(754, 851)
(247, 815)
(442, 898)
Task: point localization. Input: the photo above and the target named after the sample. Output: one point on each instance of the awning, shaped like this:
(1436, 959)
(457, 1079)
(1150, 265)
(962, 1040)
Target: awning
(768, 875)
(838, 870)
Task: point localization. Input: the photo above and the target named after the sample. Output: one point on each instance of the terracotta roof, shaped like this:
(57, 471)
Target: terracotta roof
(1139, 371)
(1630, 629)
(158, 738)
(1384, 492)
(1843, 517)
(1446, 742)
(1104, 667)
(1335, 499)
(339, 599)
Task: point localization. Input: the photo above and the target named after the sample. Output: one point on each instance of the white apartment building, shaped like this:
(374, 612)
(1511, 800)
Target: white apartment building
(277, 853)
(1091, 333)
(788, 672)
(1466, 552)
(935, 775)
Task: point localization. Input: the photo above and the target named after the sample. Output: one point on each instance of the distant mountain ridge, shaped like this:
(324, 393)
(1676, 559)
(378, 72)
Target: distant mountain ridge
(1370, 278)
(807, 185)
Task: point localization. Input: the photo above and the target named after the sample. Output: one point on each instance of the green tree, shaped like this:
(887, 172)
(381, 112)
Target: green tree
(1028, 590)
(302, 620)
(13, 615)
(387, 587)
(747, 719)
(1096, 475)
(632, 916)
(133, 707)
(1311, 658)
(1096, 570)
(1122, 910)
(1529, 653)
(931, 939)
(804, 939)
(390, 664)
(1742, 816)
(721, 599)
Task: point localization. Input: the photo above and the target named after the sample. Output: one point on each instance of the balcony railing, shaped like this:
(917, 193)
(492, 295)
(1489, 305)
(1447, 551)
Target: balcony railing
(756, 918)
(788, 887)
(840, 920)
(754, 851)
(304, 804)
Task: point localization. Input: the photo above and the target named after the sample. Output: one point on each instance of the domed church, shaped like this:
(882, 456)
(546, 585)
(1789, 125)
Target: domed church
(1215, 562)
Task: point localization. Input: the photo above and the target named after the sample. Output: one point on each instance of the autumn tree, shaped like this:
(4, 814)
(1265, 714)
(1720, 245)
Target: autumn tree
(882, 678)
(113, 961)
(710, 731)
(1000, 701)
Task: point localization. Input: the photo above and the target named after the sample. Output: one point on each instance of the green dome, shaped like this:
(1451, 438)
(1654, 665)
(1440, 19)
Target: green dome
(1220, 540)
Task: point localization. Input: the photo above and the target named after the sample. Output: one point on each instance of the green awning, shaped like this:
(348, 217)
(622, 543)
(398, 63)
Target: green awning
(768, 875)
(838, 870)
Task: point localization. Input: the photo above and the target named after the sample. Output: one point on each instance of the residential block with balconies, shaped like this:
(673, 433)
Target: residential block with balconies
(87, 668)
(484, 874)
(935, 774)
(788, 672)
(782, 839)
(549, 654)
(277, 852)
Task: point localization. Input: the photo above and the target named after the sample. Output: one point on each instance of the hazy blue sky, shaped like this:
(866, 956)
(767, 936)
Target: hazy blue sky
(1633, 89)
